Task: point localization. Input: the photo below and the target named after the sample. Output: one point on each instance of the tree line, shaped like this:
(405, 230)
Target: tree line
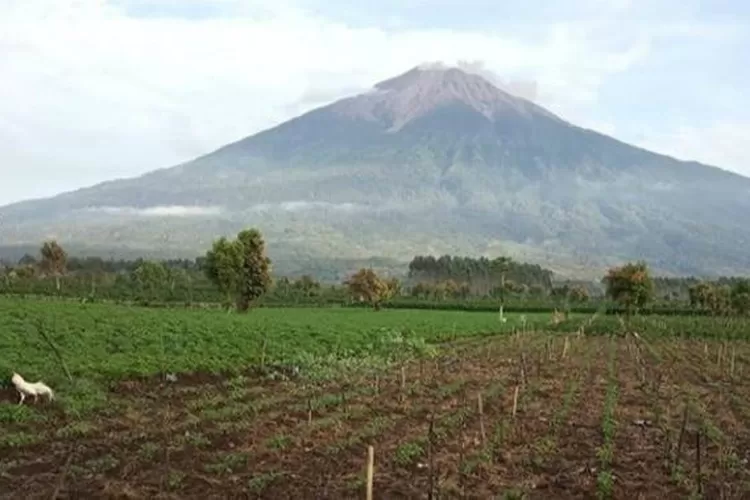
(481, 275)
(238, 273)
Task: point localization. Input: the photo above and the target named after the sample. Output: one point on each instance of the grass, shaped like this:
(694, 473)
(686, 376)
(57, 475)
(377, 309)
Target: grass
(117, 341)
(100, 343)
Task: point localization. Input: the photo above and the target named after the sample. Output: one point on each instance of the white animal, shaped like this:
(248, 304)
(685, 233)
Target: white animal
(28, 389)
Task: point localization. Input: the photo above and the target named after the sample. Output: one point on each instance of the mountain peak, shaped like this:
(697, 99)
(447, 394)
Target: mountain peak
(428, 87)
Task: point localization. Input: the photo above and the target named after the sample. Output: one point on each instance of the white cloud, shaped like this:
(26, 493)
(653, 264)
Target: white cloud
(89, 92)
(160, 211)
(307, 206)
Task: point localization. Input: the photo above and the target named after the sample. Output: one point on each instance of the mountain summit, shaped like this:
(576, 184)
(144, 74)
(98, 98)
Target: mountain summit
(436, 160)
(416, 93)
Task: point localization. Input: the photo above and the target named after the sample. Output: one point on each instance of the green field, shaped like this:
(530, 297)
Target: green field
(101, 342)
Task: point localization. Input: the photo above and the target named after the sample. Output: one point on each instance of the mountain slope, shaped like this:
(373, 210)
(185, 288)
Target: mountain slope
(435, 160)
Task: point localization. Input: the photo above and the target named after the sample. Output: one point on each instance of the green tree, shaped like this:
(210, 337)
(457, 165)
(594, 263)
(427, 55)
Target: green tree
(307, 286)
(711, 297)
(578, 294)
(223, 267)
(54, 261)
(394, 287)
(150, 279)
(240, 268)
(740, 296)
(501, 265)
(701, 295)
(421, 290)
(255, 276)
(630, 285)
(366, 286)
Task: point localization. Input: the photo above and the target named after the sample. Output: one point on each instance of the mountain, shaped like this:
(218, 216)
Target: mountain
(436, 160)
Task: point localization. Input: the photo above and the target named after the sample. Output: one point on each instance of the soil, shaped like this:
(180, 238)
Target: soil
(209, 436)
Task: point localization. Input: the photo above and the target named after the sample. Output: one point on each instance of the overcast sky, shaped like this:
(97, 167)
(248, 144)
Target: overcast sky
(92, 90)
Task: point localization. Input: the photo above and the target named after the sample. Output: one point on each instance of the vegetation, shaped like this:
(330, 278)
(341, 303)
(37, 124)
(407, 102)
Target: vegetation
(54, 260)
(630, 285)
(187, 283)
(366, 286)
(203, 403)
(480, 275)
(240, 268)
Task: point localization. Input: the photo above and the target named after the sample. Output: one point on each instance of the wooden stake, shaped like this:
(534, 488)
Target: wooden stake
(370, 470)
(263, 353)
(481, 419)
(698, 460)
(309, 411)
(403, 383)
(681, 436)
(731, 364)
(565, 348)
(523, 369)
(431, 456)
(515, 402)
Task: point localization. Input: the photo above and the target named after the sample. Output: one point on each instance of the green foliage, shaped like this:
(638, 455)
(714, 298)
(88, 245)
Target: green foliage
(255, 275)
(101, 342)
(630, 285)
(740, 296)
(149, 279)
(710, 297)
(578, 294)
(222, 266)
(366, 286)
(480, 275)
(240, 268)
(54, 260)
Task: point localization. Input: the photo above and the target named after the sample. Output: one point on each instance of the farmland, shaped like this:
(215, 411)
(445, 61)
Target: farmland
(282, 403)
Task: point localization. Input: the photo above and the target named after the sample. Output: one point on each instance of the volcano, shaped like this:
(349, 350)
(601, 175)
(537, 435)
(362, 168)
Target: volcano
(436, 160)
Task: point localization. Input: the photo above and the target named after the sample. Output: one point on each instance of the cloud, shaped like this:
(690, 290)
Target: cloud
(526, 89)
(94, 89)
(308, 206)
(160, 211)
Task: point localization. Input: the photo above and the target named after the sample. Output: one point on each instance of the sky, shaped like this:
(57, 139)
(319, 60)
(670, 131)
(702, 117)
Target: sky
(92, 90)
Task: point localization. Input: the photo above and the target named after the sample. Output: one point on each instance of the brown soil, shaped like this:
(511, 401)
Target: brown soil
(207, 436)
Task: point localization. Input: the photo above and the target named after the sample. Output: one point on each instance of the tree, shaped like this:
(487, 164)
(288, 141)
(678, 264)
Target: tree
(578, 294)
(255, 275)
(7, 275)
(307, 286)
(179, 278)
(150, 279)
(54, 261)
(240, 268)
(501, 265)
(630, 285)
(701, 295)
(711, 297)
(740, 296)
(27, 260)
(421, 290)
(394, 287)
(367, 286)
(222, 267)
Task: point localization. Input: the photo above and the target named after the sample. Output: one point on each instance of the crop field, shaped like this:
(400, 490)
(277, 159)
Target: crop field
(284, 403)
